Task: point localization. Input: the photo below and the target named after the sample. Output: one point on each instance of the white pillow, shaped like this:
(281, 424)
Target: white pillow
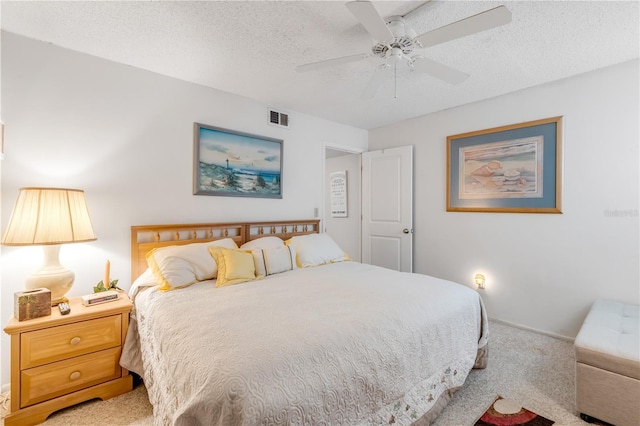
(274, 260)
(145, 280)
(263, 243)
(316, 249)
(182, 265)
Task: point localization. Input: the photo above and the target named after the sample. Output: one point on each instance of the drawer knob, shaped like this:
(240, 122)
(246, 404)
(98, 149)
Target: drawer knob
(75, 341)
(75, 375)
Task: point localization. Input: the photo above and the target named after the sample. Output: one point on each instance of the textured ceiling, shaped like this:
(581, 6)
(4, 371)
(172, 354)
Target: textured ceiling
(252, 48)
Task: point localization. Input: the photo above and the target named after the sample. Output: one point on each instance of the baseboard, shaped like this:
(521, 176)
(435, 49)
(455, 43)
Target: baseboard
(5, 388)
(534, 330)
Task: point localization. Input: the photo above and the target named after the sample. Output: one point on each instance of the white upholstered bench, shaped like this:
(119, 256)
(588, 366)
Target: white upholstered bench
(608, 364)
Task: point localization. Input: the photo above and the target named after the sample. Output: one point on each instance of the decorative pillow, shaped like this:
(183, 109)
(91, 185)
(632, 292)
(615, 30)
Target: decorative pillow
(263, 243)
(316, 249)
(275, 260)
(234, 266)
(182, 265)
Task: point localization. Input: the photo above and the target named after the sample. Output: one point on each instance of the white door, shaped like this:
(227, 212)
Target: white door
(387, 208)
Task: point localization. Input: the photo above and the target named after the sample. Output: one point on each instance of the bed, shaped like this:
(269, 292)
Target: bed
(340, 343)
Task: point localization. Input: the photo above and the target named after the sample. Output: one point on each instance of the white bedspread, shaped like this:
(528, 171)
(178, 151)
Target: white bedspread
(341, 344)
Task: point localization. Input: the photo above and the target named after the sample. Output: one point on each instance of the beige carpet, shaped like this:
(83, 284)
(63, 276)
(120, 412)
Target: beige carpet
(535, 370)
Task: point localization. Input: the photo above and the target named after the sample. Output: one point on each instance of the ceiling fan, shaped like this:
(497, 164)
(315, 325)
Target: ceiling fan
(395, 44)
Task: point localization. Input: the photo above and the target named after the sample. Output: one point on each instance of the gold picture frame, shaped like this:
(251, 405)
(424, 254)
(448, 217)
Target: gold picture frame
(509, 169)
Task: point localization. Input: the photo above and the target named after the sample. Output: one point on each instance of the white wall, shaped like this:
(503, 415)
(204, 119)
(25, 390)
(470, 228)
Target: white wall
(543, 271)
(345, 230)
(125, 136)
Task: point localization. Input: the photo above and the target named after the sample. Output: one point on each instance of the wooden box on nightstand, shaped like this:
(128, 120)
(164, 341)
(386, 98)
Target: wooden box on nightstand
(61, 360)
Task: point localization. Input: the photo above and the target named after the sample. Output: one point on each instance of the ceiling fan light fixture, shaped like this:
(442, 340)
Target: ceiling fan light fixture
(396, 55)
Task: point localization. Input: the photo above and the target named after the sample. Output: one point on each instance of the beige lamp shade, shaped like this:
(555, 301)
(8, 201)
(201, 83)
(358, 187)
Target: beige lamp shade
(49, 217)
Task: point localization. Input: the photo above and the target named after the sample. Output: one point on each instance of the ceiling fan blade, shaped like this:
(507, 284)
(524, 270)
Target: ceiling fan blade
(371, 20)
(374, 83)
(331, 62)
(474, 24)
(438, 70)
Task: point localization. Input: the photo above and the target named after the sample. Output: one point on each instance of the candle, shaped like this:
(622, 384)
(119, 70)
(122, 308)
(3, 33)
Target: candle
(107, 267)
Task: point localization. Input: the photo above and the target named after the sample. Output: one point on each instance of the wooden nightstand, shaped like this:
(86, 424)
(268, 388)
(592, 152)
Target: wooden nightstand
(62, 360)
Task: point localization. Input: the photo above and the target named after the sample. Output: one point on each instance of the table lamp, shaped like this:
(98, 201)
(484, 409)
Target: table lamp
(49, 217)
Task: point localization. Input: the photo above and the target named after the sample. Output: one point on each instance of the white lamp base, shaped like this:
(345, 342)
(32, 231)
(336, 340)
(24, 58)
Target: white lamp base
(52, 275)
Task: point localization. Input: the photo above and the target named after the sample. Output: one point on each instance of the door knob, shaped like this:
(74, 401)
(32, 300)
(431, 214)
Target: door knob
(405, 230)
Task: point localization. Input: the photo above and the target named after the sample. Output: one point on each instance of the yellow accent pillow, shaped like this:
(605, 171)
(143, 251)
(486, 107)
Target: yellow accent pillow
(179, 266)
(234, 266)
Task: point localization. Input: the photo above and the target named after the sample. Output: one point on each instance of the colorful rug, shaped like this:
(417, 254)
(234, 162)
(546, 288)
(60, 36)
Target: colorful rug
(506, 412)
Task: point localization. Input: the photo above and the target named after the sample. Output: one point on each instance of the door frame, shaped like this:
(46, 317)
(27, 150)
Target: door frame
(323, 205)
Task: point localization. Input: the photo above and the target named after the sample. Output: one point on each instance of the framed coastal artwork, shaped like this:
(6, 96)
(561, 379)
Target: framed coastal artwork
(236, 164)
(509, 169)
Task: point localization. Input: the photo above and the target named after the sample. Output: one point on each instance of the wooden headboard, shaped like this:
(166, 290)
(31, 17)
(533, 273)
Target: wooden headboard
(147, 237)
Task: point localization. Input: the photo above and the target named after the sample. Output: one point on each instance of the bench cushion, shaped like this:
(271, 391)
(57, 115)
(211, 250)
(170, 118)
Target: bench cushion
(610, 338)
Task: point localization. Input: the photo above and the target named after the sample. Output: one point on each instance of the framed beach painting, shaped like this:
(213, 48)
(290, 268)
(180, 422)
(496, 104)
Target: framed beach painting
(509, 169)
(236, 164)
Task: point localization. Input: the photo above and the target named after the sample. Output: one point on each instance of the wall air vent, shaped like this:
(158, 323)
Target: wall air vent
(279, 119)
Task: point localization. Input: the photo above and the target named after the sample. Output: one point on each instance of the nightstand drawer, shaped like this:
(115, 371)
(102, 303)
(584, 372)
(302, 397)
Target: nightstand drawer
(70, 340)
(63, 377)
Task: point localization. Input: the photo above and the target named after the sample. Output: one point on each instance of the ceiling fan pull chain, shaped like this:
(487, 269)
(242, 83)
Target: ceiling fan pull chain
(395, 81)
